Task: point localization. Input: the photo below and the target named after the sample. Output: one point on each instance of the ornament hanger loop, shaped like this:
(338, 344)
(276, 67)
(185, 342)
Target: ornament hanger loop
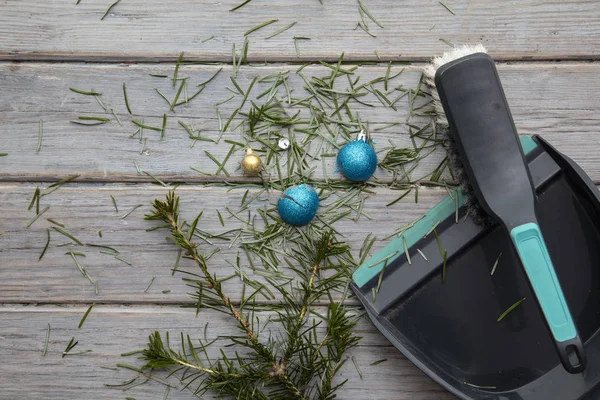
(362, 136)
(283, 144)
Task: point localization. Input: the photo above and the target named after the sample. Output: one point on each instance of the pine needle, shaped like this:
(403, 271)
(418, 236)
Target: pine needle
(125, 97)
(132, 209)
(86, 92)
(478, 386)
(67, 234)
(240, 5)
(94, 122)
(384, 259)
(164, 125)
(403, 195)
(432, 228)
(118, 257)
(109, 8)
(35, 200)
(210, 79)
(509, 309)
(220, 218)
(55, 186)
(357, 367)
(92, 118)
(259, 26)
(47, 244)
(114, 203)
(495, 264)
(449, 43)
(70, 346)
(85, 316)
(281, 30)
(406, 253)
(36, 217)
(296, 38)
(368, 14)
(149, 284)
(443, 254)
(141, 125)
(40, 134)
(447, 7)
(112, 250)
(46, 341)
(159, 181)
(114, 113)
(176, 70)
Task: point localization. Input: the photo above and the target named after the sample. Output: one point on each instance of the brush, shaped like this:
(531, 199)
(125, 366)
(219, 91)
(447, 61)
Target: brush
(486, 158)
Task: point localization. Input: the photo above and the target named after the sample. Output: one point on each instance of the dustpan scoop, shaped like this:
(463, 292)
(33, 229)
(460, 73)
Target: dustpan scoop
(449, 330)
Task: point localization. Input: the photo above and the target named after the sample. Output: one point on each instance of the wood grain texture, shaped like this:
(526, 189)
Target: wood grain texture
(111, 330)
(142, 30)
(558, 101)
(106, 153)
(87, 209)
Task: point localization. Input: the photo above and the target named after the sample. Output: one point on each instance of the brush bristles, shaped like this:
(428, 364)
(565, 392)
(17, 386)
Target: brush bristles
(429, 76)
(474, 210)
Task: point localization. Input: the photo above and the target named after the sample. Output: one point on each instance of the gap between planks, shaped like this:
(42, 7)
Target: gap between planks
(59, 58)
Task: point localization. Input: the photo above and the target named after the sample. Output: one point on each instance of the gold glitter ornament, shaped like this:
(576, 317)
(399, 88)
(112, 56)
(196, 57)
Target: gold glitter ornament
(251, 163)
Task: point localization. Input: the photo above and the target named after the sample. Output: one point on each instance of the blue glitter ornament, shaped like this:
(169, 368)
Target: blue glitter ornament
(357, 160)
(298, 205)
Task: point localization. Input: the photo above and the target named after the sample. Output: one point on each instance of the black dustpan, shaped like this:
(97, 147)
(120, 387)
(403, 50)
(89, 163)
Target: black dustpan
(450, 330)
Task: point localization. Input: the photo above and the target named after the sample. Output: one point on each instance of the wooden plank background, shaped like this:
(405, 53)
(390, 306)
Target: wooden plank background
(546, 52)
(87, 209)
(139, 30)
(23, 336)
(558, 101)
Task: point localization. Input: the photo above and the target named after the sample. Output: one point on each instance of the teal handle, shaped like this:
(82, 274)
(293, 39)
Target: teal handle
(534, 255)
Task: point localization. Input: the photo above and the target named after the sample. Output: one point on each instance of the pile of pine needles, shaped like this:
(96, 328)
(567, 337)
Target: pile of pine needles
(293, 331)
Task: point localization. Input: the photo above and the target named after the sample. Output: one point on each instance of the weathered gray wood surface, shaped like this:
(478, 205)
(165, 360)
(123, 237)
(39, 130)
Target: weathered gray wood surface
(106, 152)
(111, 330)
(87, 209)
(526, 29)
(558, 101)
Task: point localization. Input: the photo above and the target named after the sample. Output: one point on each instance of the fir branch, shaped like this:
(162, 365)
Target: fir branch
(167, 212)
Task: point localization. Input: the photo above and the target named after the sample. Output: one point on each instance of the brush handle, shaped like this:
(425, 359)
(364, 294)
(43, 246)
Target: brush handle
(486, 140)
(534, 256)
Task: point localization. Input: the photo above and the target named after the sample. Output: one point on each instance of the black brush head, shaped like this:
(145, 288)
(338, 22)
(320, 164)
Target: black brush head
(474, 209)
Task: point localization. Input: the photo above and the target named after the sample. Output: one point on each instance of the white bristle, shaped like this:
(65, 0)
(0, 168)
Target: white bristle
(429, 75)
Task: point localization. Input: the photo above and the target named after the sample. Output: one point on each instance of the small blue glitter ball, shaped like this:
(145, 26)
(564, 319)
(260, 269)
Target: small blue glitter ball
(357, 160)
(298, 205)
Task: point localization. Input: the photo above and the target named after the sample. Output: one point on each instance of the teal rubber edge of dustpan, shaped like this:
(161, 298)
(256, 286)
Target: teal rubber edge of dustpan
(371, 267)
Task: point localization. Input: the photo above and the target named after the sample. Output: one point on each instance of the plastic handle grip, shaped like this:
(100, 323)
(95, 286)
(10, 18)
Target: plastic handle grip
(540, 271)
